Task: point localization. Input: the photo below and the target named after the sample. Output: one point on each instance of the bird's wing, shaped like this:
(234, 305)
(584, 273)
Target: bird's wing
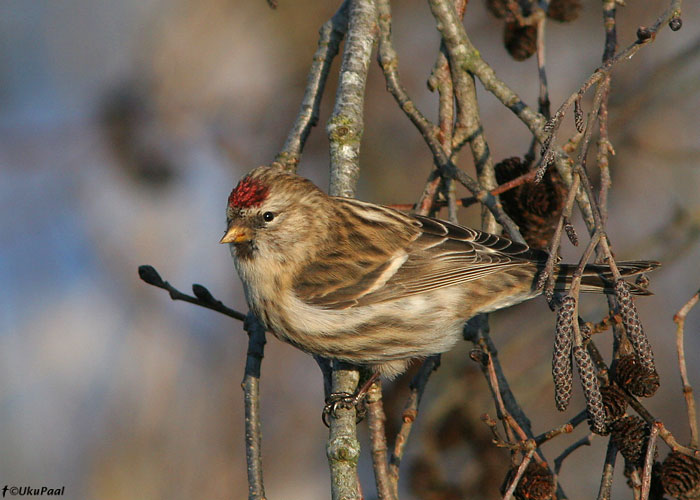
(436, 254)
(366, 248)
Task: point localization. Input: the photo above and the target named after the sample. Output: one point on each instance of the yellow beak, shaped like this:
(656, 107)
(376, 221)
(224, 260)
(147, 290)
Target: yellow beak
(237, 234)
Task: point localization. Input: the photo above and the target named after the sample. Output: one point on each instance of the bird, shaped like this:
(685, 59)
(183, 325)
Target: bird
(370, 285)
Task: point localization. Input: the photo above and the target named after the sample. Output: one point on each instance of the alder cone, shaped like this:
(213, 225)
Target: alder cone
(680, 476)
(536, 483)
(520, 41)
(498, 8)
(535, 208)
(564, 11)
(631, 434)
(614, 402)
(634, 377)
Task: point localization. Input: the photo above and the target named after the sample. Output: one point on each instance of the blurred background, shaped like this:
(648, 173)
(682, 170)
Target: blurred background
(123, 127)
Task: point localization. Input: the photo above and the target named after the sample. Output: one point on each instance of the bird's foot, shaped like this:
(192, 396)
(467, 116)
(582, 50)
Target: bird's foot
(337, 400)
(346, 401)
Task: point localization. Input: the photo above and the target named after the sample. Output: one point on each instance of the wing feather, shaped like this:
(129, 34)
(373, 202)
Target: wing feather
(419, 254)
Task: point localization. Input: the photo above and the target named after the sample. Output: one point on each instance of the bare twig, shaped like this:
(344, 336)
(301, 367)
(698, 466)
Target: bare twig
(477, 331)
(670, 439)
(584, 441)
(467, 57)
(566, 428)
(679, 319)
(519, 474)
(546, 278)
(330, 36)
(377, 439)
(389, 63)
(202, 297)
(426, 203)
(649, 461)
(410, 412)
(251, 396)
(606, 479)
(251, 379)
(467, 201)
(543, 101)
(664, 433)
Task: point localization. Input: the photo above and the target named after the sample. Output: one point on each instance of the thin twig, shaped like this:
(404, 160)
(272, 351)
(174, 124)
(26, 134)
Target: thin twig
(679, 319)
(584, 441)
(377, 439)
(492, 380)
(251, 397)
(330, 36)
(202, 297)
(664, 433)
(477, 331)
(672, 442)
(605, 149)
(543, 101)
(389, 63)
(585, 257)
(604, 145)
(467, 56)
(600, 72)
(649, 461)
(410, 412)
(519, 474)
(468, 200)
(606, 479)
(426, 203)
(546, 278)
(566, 428)
(440, 77)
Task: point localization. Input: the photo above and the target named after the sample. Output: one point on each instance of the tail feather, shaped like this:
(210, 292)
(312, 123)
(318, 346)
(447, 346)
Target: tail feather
(598, 278)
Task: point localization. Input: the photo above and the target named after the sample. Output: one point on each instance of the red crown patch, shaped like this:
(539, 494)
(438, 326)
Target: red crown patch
(248, 193)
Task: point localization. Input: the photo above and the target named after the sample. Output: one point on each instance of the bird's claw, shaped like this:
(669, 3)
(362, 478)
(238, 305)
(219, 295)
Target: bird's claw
(346, 401)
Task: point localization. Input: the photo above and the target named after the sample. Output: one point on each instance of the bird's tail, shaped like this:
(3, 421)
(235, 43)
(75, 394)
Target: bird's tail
(599, 279)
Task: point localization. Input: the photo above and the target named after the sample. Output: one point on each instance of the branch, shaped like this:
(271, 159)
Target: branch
(565, 428)
(519, 474)
(343, 448)
(410, 413)
(476, 330)
(389, 63)
(649, 461)
(606, 479)
(679, 319)
(584, 441)
(345, 125)
(203, 297)
(377, 439)
(330, 36)
(345, 128)
(251, 379)
(251, 396)
(467, 57)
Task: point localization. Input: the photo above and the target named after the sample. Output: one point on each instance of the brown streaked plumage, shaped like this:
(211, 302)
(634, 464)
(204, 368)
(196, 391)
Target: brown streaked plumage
(368, 284)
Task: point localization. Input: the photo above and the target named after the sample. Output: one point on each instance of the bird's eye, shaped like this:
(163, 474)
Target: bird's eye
(268, 216)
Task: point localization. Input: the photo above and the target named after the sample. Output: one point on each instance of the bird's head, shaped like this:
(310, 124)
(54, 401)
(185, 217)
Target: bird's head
(271, 212)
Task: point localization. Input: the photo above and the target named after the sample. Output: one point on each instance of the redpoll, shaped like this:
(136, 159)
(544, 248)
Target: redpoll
(370, 285)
